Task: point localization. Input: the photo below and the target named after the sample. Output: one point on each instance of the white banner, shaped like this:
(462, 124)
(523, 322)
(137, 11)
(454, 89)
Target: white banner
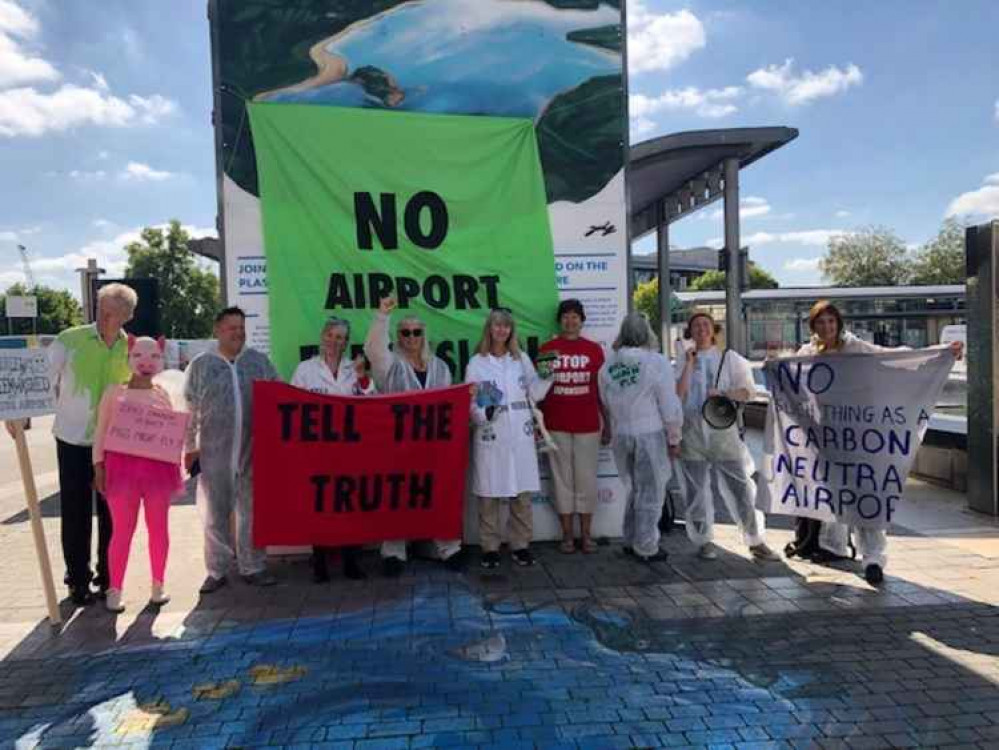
(25, 386)
(843, 430)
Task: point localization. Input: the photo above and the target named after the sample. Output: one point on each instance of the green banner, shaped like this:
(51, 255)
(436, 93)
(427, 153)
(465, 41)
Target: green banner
(447, 213)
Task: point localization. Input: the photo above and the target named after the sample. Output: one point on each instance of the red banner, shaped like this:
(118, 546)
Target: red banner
(335, 470)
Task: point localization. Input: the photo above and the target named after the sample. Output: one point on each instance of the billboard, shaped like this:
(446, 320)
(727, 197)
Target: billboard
(557, 63)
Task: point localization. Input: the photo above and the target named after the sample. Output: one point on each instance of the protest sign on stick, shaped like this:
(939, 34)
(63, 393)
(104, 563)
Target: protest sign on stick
(26, 391)
(340, 470)
(147, 431)
(843, 431)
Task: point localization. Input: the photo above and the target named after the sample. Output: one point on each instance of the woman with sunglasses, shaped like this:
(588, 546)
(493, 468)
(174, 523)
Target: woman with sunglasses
(409, 366)
(504, 460)
(331, 373)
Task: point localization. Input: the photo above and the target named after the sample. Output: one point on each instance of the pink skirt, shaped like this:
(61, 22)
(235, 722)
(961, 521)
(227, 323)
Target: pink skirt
(134, 475)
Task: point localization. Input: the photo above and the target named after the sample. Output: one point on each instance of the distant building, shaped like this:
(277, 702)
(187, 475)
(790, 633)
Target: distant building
(684, 266)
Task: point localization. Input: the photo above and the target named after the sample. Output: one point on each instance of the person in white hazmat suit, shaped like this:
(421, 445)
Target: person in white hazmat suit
(331, 373)
(218, 389)
(637, 388)
(830, 337)
(706, 451)
(410, 366)
(504, 458)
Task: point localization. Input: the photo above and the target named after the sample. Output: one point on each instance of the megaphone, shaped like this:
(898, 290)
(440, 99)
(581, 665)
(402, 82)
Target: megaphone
(720, 412)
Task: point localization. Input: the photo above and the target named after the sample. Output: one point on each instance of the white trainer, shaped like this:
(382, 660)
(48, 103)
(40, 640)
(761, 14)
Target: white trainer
(113, 601)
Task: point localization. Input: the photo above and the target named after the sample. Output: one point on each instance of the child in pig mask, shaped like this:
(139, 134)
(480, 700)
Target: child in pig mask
(128, 481)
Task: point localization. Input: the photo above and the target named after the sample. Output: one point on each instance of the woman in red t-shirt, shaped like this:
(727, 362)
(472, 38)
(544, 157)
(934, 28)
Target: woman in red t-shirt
(573, 416)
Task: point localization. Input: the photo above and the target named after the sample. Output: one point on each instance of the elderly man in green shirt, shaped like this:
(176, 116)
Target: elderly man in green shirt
(84, 361)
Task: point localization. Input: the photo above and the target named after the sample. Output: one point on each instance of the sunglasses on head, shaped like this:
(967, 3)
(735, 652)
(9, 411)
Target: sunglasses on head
(506, 310)
(414, 332)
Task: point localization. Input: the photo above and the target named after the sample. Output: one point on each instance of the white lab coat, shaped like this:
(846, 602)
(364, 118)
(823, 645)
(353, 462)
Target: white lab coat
(504, 460)
(315, 375)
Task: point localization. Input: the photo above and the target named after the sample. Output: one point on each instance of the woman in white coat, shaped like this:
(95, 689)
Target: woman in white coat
(504, 460)
(707, 451)
(331, 373)
(409, 366)
(636, 385)
(829, 336)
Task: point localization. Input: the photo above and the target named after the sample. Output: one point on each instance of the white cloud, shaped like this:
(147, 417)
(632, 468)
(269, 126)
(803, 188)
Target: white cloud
(659, 41)
(60, 271)
(749, 207)
(996, 111)
(983, 202)
(801, 89)
(28, 112)
(81, 175)
(842, 214)
(818, 237)
(704, 102)
(641, 127)
(17, 65)
(8, 236)
(802, 264)
(103, 223)
(100, 82)
(140, 172)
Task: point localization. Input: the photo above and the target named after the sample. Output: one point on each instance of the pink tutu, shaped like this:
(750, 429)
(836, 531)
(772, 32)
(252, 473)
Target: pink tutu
(134, 475)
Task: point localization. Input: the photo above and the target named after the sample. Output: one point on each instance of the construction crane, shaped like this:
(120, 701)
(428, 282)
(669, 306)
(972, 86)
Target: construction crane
(27, 267)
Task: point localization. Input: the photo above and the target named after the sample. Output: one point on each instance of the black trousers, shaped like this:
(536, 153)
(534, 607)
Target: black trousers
(76, 502)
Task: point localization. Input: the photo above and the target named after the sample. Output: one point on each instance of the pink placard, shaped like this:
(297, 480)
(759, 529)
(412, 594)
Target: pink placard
(147, 431)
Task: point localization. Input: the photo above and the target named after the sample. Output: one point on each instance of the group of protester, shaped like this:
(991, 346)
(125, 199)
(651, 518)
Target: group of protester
(652, 418)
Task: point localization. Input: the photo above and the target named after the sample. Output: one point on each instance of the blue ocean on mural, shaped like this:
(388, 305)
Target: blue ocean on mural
(464, 66)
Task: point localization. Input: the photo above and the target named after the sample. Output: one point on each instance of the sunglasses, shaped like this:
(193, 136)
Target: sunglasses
(414, 332)
(506, 310)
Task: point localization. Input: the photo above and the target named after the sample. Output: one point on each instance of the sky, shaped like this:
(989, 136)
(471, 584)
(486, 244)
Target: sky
(105, 120)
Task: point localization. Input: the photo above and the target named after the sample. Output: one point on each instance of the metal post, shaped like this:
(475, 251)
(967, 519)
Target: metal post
(87, 276)
(662, 266)
(982, 256)
(733, 307)
(217, 91)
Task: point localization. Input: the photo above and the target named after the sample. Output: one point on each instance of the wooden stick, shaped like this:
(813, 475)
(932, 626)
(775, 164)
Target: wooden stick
(35, 514)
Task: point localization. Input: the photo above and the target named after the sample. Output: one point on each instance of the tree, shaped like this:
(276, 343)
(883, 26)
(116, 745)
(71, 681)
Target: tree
(646, 299)
(189, 296)
(758, 279)
(57, 308)
(941, 260)
(872, 256)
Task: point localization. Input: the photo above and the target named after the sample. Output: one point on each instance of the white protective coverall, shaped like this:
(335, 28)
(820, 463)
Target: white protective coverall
(705, 450)
(394, 374)
(219, 396)
(504, 457)
(636, 386)
(872, 544)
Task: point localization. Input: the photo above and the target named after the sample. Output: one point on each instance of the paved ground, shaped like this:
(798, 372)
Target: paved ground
(580, 652)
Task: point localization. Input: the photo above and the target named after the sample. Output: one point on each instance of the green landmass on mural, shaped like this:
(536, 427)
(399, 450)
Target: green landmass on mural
(605, 37)
(580, 136)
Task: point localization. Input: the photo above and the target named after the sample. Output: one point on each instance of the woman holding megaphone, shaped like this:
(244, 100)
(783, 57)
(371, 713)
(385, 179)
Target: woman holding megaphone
(712, 386)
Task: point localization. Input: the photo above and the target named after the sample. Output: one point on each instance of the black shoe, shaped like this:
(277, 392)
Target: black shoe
(660, 556)
(490, 560)
(874, 575)
(392, 567)
(81, 596)
(352, 570)
(456, 562)
(523, 558)
(211, 585)
(628, 551)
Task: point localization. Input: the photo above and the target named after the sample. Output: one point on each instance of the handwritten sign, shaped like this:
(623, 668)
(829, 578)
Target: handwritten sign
(25, 386)
(842, 432)
(335, 470)
(147, 431)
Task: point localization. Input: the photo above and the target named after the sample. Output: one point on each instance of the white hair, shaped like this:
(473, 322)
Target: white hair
(121, 294)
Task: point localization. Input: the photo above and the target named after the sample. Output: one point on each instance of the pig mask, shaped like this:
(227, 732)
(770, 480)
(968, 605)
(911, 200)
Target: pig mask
(145, 355)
